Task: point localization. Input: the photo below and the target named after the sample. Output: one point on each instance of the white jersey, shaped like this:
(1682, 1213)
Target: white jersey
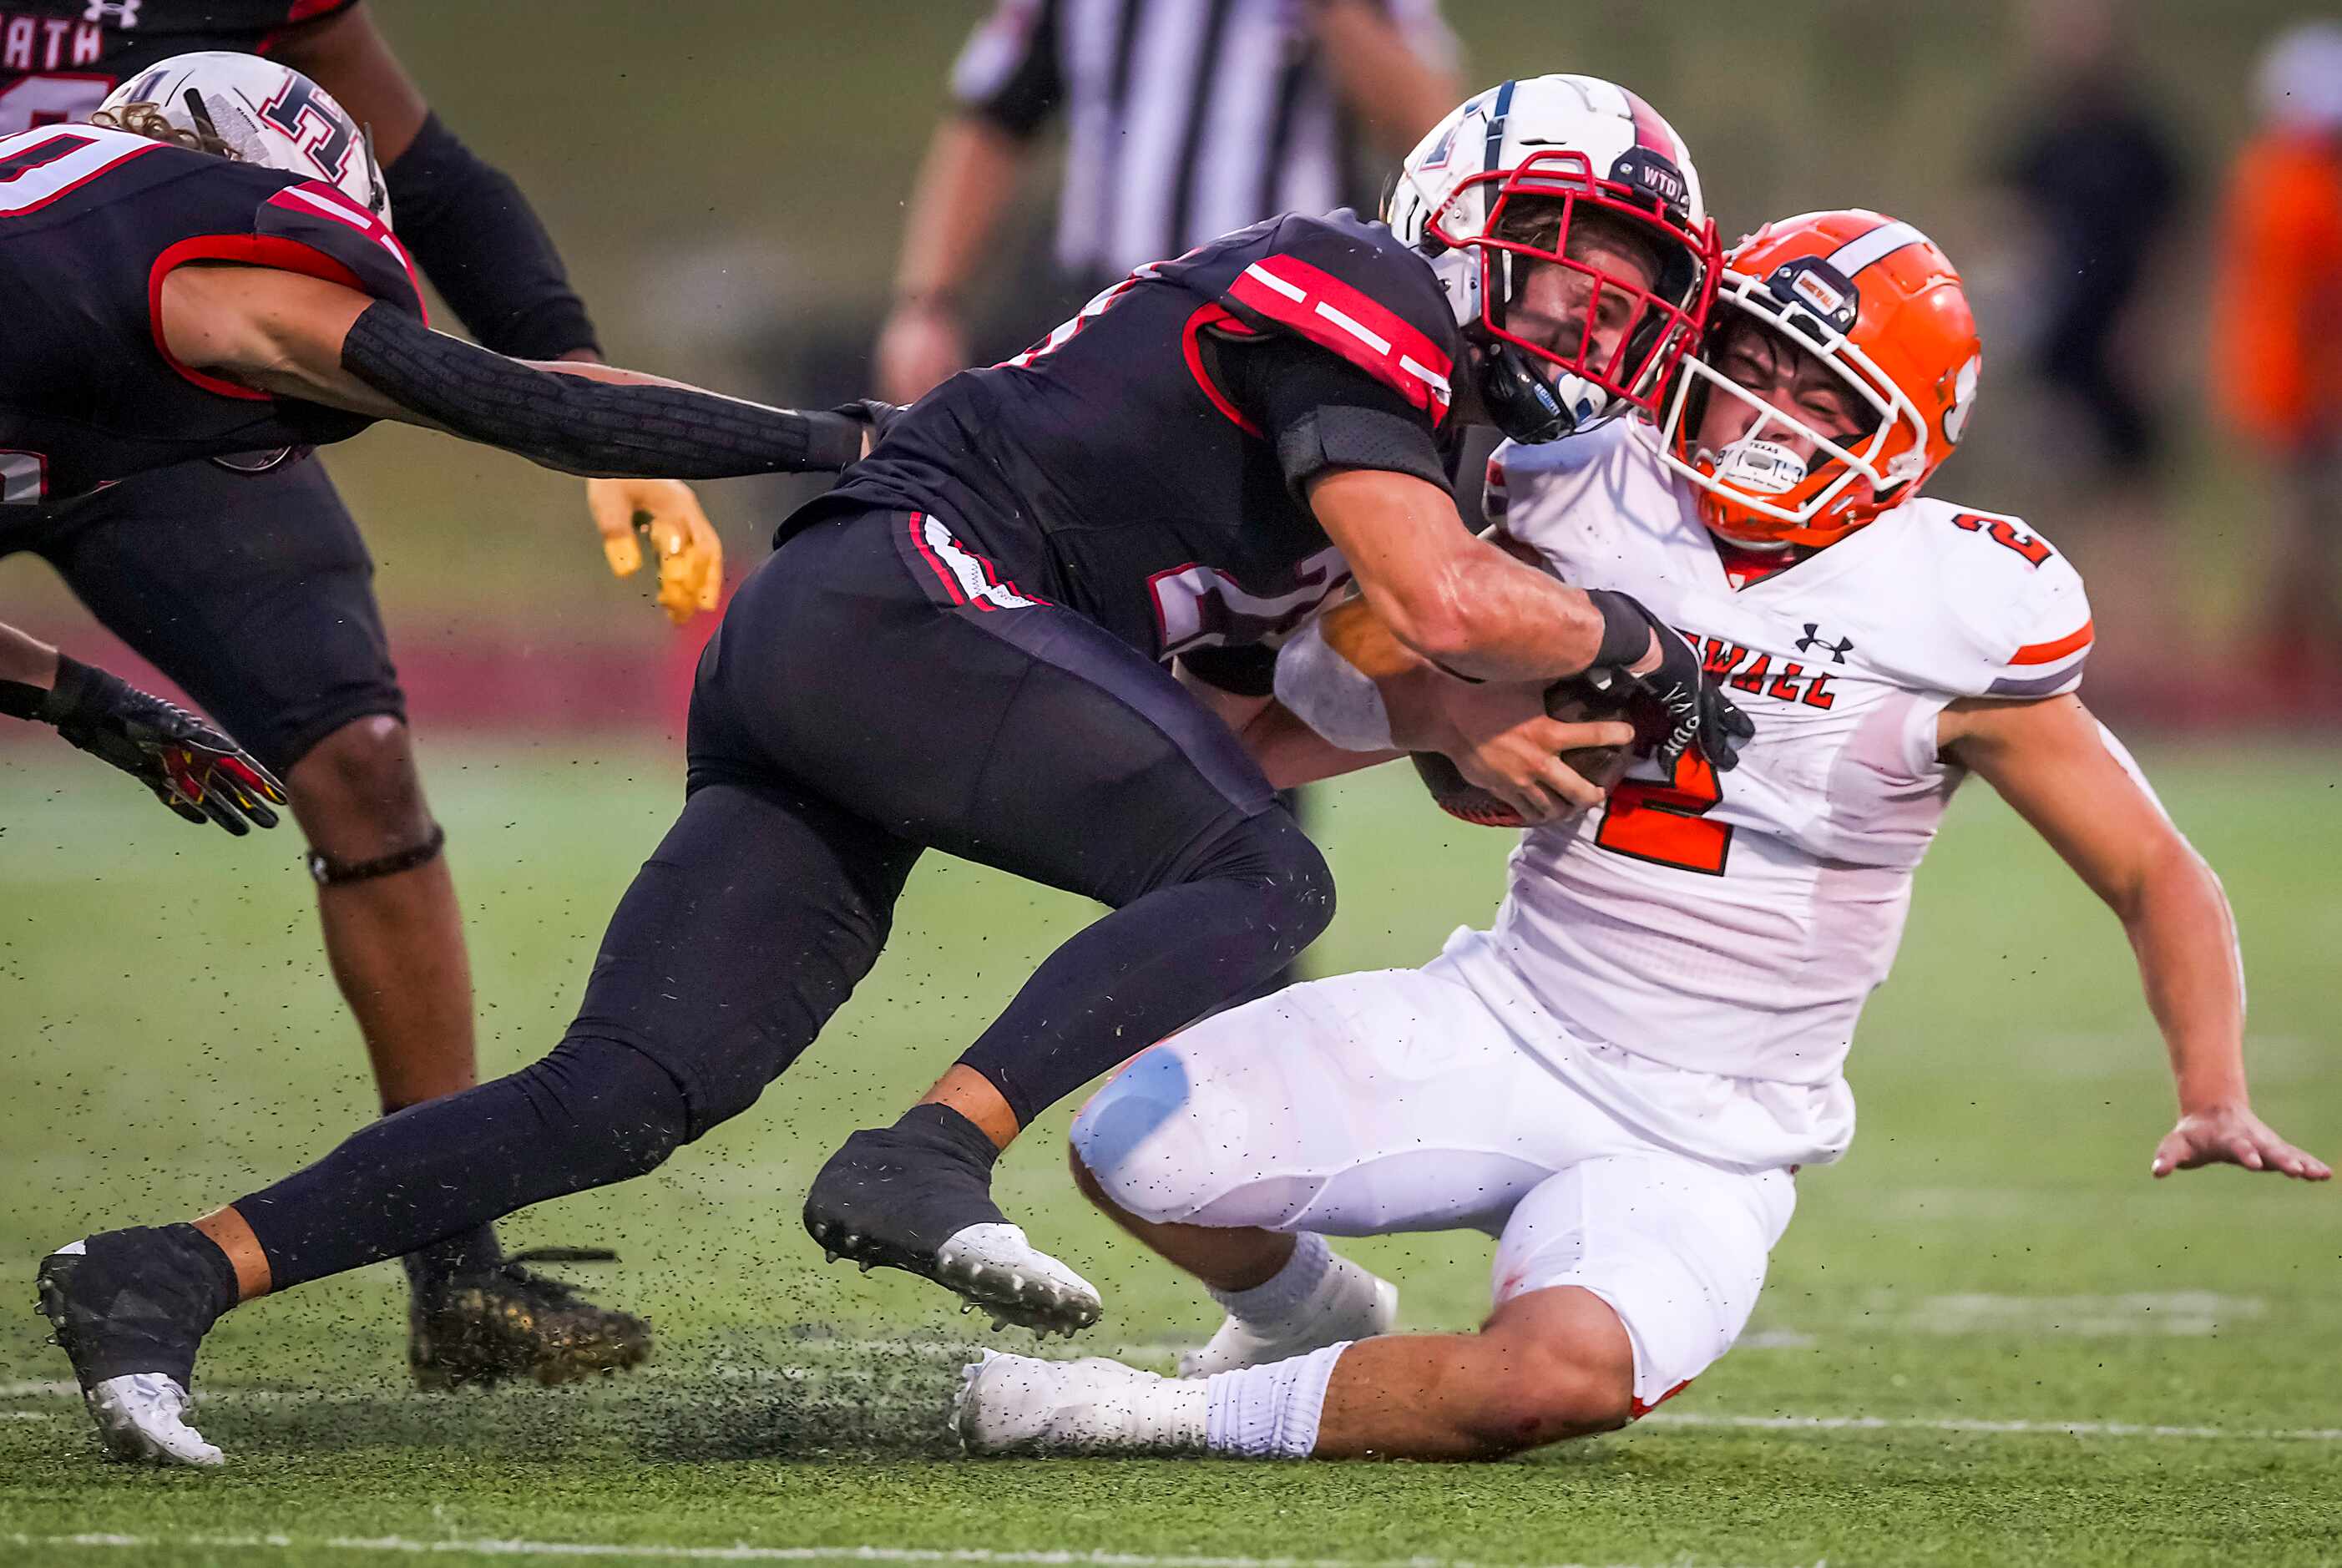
(1734, 924)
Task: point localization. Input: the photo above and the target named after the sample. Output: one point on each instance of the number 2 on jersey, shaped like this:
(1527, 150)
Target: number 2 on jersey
(1667, 824)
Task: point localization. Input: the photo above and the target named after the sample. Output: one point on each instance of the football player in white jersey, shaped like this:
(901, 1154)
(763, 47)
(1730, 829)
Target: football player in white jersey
(1620, 1079)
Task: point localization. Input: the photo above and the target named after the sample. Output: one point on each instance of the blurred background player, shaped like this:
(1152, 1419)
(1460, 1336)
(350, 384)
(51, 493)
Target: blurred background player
(1185, 119)
(2277, 347)
(2093, 177)
(242, 579)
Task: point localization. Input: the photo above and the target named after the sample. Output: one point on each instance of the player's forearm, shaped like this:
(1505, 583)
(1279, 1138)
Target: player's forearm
(27, 660)
(1292, 753)
(969, 171)
(1381, 76)
(1490, 618)
(2180, 928)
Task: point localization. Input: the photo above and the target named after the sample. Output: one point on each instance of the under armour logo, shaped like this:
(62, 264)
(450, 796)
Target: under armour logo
(1813, 639)
(121, 13)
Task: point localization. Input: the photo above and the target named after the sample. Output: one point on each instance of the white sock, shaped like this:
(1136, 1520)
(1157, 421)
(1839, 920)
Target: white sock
(1316, 1283)
(1285, 1293)
(1270, 1412)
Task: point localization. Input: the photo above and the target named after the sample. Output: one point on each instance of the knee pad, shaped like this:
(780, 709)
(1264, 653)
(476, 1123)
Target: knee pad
(1157, 1146)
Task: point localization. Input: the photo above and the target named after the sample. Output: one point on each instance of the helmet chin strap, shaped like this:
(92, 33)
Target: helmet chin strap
(1528, 407)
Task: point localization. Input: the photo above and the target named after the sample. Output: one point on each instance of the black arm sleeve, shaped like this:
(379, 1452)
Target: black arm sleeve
(584, 426)
(1322, 413)
(475, 237)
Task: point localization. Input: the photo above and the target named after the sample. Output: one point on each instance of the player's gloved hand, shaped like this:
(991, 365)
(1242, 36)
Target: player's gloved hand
(691, 554)
(872, 416)
(192, 767)
(1667, 669)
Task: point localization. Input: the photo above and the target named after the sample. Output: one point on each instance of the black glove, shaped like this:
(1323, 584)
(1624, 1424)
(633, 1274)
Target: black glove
(192, 768)
(872, 416)
(1697, 711)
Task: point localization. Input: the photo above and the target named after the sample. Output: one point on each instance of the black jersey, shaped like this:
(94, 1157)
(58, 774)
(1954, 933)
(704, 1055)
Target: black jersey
(60, 58)
(91, 222)
(1115, 470)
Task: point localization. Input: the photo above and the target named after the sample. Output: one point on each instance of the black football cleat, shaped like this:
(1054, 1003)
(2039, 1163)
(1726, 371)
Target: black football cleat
(130, 1309)
(475, 1330)
(917, 1196)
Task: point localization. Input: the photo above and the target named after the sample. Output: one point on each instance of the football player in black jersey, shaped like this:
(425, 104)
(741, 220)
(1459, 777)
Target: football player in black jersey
(133, 357)
(961, 647)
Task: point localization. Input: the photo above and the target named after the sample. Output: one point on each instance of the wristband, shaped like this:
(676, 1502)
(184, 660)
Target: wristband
(1626, 629)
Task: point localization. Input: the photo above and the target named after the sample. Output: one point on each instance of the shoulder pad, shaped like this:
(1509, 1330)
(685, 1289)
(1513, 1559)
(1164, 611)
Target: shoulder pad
(1350, 287)
(2015, 603)
(311, 226)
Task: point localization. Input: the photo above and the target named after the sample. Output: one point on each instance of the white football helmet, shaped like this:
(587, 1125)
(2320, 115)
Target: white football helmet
(265, 114)
(1579, 143)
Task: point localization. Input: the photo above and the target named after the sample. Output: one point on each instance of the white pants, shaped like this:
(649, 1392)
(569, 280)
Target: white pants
(1399, 1100)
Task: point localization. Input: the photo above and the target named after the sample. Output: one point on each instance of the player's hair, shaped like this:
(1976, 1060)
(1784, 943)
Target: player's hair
(1536, 221)
(147, 120)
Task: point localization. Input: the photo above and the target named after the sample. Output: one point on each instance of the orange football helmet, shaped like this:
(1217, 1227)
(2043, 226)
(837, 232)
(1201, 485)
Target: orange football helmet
(1874, 301)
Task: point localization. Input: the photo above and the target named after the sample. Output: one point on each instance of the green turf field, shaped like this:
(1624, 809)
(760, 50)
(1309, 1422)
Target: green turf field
(1989, 1338)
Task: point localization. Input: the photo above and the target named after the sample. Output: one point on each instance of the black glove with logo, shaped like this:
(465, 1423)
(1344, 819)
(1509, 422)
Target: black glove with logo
(192, 768)
(1697, 711)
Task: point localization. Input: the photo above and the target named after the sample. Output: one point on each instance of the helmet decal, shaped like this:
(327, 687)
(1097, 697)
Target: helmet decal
(1964, 391)
(1875, 247)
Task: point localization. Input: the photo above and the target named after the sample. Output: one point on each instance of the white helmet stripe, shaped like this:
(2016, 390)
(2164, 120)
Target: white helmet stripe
(1877, 246)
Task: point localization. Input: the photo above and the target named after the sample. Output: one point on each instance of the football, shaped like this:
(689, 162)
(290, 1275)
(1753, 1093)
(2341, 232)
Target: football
(1571, 701)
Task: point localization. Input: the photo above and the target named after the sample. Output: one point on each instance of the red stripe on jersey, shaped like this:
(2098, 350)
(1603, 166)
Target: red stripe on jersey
(1639, 1409)
(318, 199)
(1336, 315)
(2050, 653)
(919, 542)
(1191, 345)
(246, 250)
(298, 12)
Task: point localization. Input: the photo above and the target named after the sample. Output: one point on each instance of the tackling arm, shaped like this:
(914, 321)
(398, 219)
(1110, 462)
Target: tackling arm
(1370, 698)
(2067, 775)
(300, 337)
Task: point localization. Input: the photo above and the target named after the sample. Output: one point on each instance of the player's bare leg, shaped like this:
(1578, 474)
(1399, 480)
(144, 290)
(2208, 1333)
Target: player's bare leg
(396, 940)
(1548, 1365)
(394, 936)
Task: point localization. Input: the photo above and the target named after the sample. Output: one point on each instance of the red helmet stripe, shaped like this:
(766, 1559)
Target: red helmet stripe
(1652, 130)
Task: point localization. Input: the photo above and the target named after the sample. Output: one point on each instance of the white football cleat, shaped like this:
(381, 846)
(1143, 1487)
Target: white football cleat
(1367, 1313)
(144, 1416)
(995, 1269)
(1024, 1404)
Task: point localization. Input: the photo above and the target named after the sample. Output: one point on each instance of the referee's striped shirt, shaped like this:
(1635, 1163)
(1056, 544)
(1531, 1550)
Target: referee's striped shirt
(1184, 119)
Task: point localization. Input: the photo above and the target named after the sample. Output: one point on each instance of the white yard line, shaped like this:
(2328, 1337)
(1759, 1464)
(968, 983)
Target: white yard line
(2017, 1428)
(747, 1554)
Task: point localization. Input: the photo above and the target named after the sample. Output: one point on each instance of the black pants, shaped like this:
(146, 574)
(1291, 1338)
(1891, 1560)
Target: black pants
(252, 591)
(874, 691)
